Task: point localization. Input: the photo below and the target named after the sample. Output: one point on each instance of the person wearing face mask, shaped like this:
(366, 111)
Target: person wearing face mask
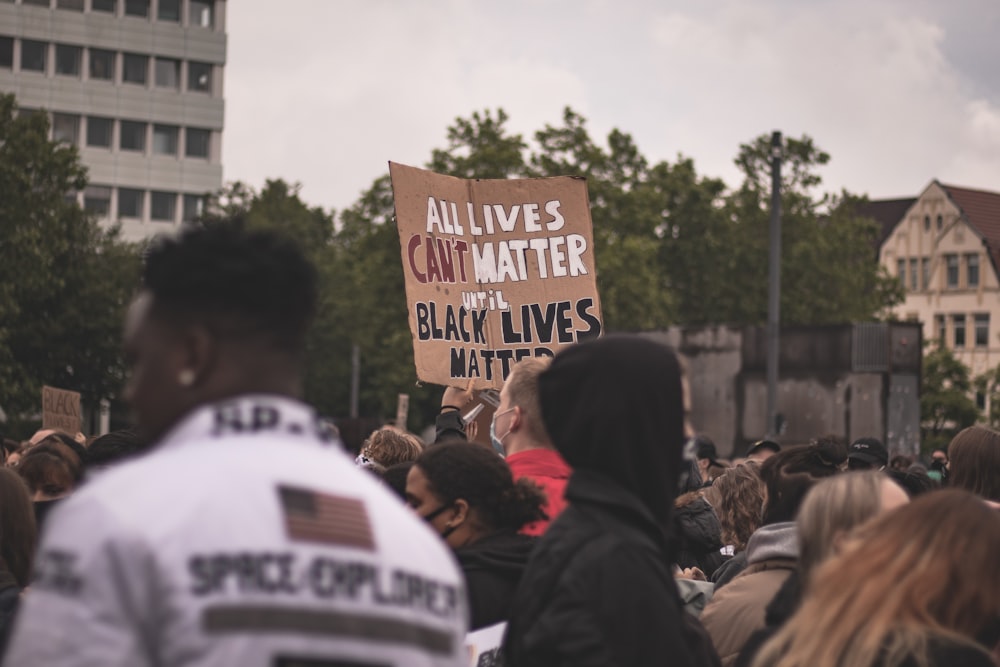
(517, 430)
(466, 493)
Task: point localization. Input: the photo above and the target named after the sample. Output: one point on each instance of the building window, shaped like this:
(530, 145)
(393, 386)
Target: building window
(137, 8)
(103, 6)
(951, 266)
(102, 65)
(34, 55)
(914, 275)
(169, 10)
(196, 142)
(165, 140)
(972, 270)
(97, 200)
(927, 223)
(129, 203)
(980, 400)
(982, 324)
(66, 127)
(6, 53)
(940, 324)
(133, 136)
(925, 271)
(163, 206)
(68, 59)
(200, 77)
(200, 13)
(194, 206)
(38, 3)
(940, 223)
(135, 68)
(75, 5)
(168, 73)
(958, 326)
(901, 270)
(99, 132)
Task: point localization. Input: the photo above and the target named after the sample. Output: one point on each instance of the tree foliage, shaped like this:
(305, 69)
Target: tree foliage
(945, 405)
(672, 247)
(988, 384)
(64, 282)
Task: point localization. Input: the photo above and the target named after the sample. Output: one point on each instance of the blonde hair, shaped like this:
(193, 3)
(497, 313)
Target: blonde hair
(927, 568)
(832, 508)
(522, 388)
(389, 445)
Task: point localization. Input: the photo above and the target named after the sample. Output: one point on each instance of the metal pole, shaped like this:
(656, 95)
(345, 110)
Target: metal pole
(355, 379)
(774, 288)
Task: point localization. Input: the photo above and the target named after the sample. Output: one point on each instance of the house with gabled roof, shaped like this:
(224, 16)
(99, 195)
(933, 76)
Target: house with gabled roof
(945, 249)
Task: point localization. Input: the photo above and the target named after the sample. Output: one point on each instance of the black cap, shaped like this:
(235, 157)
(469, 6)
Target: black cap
(870, 451)
(763, 444)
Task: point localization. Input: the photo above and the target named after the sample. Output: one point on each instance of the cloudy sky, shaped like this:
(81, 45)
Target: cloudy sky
(325, 92)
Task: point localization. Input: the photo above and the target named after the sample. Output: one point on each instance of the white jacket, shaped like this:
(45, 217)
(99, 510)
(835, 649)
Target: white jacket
(240, 540)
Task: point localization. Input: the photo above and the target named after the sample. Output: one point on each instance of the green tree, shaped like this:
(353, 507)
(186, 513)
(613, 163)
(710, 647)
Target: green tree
(64, 282)
(672, 247)
(945, 405)
(633, 287)
(988, 384)
(829, 272)
(480, 147)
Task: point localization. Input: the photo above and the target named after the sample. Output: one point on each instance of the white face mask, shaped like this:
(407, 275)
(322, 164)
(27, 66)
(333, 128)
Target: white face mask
(496, 441)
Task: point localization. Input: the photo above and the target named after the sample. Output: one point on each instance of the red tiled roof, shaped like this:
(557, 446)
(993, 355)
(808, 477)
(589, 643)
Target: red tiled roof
(982, 210)
(887, 213)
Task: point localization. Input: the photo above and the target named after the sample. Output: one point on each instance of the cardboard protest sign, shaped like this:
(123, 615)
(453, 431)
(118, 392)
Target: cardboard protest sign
(496, 270)
(61, 410)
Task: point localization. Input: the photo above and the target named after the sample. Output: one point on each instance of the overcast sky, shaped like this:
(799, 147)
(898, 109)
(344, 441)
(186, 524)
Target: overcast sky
(899, 92)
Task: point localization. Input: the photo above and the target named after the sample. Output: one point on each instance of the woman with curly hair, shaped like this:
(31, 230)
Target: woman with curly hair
(469, 497)
(737, 496)
(916, 587)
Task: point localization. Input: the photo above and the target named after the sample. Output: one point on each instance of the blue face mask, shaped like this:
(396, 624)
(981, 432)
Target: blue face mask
(494, 440)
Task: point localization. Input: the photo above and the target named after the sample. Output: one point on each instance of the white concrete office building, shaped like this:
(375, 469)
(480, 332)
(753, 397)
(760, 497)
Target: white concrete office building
(137, 86)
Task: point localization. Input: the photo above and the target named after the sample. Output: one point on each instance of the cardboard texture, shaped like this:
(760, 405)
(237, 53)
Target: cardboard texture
(496, 270)
(61, 410)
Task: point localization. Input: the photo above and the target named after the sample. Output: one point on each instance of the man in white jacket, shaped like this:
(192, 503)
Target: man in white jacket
(242, 538)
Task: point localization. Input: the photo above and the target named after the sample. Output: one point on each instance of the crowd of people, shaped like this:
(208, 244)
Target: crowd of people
(596, 528)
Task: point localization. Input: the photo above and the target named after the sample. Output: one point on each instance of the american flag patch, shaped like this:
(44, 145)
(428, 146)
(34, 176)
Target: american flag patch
(311, 516)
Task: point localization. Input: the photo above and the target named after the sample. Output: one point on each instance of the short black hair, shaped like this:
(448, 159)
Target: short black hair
(476, 474)
(257, 282)
(113, 447)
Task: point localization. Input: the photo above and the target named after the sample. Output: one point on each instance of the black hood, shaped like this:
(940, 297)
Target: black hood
(500, 553)
(614, 406)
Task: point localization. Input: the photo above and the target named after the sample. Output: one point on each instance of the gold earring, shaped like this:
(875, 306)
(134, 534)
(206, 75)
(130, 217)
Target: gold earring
(185, 378)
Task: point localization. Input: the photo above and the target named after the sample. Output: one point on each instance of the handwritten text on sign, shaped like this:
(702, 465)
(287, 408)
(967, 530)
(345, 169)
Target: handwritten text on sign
(496, 270)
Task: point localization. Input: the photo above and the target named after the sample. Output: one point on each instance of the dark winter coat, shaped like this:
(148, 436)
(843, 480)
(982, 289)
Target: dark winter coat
(728, 570)
(697, 533)
(599, 588)
(493, 567)
(738, 610)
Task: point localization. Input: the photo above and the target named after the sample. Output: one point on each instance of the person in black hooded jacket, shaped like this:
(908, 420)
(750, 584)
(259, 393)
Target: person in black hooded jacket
(696, 528)
(599, 589)
(467, 494)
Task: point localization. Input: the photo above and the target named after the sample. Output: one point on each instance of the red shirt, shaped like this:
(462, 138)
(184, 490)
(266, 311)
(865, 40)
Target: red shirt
(546, 468)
